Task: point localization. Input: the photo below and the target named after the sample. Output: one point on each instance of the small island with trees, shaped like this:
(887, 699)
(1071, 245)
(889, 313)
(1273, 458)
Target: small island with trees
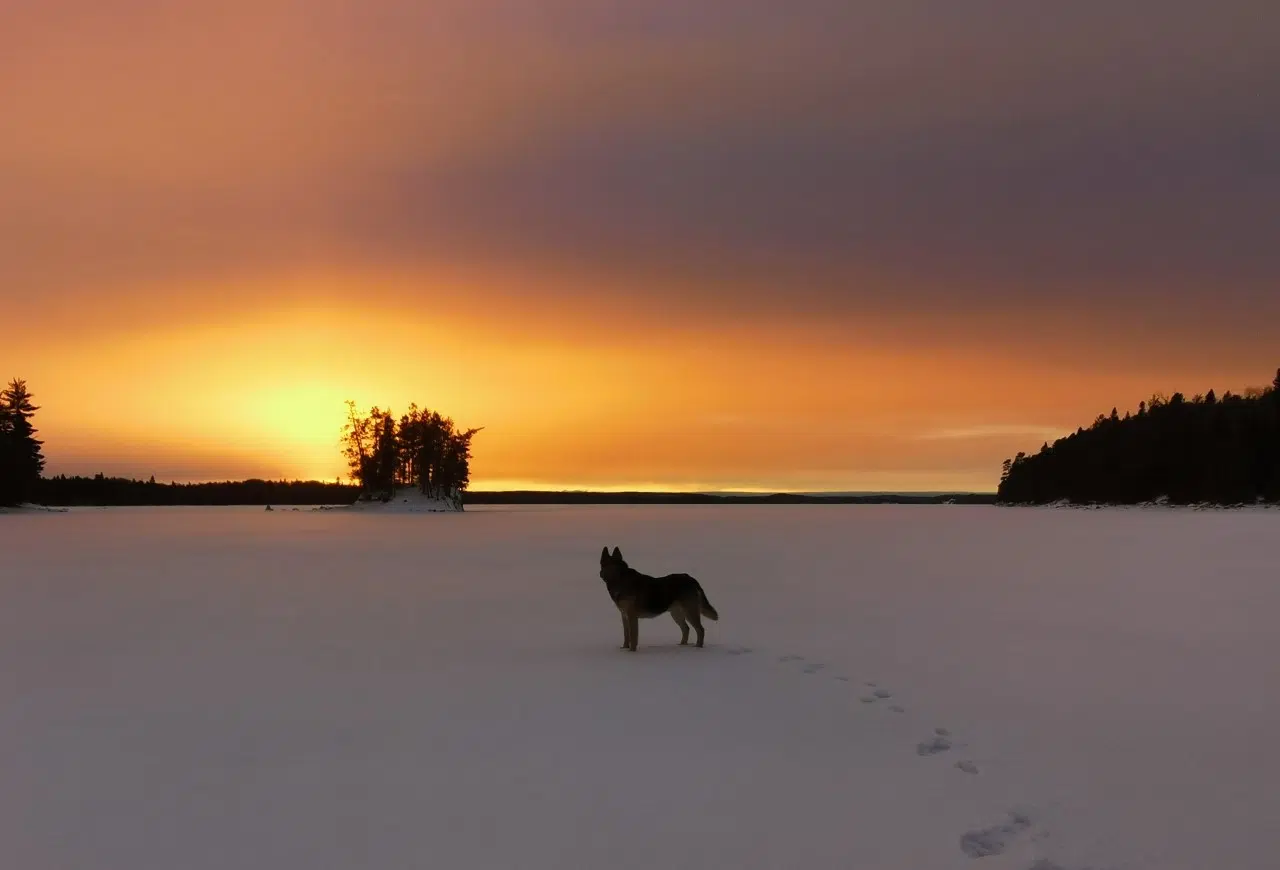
(1214, 450)
(422, 461)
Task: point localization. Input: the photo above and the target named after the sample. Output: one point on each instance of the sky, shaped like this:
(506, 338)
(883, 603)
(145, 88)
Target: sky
(680, 244)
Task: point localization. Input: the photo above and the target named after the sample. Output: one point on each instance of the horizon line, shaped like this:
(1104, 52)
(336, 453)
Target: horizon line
(640, 489)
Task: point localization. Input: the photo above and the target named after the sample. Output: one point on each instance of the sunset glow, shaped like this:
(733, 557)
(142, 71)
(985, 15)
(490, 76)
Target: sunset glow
(627, 245)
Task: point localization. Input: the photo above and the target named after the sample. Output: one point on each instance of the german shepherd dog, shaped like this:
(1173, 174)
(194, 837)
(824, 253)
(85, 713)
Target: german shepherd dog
(639, 596)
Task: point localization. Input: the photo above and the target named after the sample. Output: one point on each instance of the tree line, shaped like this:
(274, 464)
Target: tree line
(21, 457)
(64, 491)
(423, 449)
(1208, 449)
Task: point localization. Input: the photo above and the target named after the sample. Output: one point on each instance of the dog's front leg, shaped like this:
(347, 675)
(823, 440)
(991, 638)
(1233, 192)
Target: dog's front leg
(626, 630)
(633, 625)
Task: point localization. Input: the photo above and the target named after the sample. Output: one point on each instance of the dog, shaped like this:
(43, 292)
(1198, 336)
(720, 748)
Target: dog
(639, 596)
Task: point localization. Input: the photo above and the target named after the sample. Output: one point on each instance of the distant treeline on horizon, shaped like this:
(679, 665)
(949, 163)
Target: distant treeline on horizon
(1207, 449)
(103, 491)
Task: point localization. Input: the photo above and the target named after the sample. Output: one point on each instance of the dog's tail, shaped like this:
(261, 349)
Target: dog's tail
(705, 607)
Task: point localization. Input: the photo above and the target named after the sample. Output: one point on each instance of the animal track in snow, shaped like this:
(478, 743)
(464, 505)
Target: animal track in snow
(982, 842)
(738, 650)
(897, 708)
(813, 668)
(877, 695)
(932, 747)
(790, 658)
(967, 767)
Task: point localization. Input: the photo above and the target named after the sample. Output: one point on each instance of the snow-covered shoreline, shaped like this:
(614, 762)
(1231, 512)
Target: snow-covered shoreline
(407, 500)
(1157, 505)
(32, 509)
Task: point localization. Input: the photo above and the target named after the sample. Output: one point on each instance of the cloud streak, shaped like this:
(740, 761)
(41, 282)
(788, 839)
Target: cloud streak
(1000, 430)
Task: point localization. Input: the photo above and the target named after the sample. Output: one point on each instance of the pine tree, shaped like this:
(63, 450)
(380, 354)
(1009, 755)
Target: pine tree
(21, 459)
(386, 455)
(8, 461)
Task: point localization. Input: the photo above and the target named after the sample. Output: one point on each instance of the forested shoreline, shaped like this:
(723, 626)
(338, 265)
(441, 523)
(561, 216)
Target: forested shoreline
(1209, 449)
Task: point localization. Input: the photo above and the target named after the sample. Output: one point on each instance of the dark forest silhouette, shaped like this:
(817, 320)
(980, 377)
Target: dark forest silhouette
(63, 491)
(423, 449)
(21, 459)
(1208, 449)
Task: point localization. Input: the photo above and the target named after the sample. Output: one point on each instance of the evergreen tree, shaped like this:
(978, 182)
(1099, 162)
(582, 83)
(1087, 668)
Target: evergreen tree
(386, 456)
(8, 461)
(21, 459)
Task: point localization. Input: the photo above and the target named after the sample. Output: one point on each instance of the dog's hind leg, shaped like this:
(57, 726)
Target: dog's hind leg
(677, 613)
(696, 618)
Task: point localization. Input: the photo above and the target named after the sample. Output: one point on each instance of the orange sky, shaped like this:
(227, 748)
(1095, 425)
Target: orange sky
(591, 400)
(688, 246)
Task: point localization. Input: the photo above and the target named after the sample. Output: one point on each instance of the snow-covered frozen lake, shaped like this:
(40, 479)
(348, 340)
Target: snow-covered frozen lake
(228, 688)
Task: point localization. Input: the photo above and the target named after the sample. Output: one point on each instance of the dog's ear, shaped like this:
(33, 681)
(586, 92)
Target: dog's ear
(617, 555)
(604, 555)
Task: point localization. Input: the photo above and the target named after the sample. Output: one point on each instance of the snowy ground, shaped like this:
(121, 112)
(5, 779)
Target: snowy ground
(229, 688)
(407, 500)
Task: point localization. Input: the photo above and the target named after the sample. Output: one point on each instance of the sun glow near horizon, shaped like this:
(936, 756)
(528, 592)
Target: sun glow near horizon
(744, 410)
